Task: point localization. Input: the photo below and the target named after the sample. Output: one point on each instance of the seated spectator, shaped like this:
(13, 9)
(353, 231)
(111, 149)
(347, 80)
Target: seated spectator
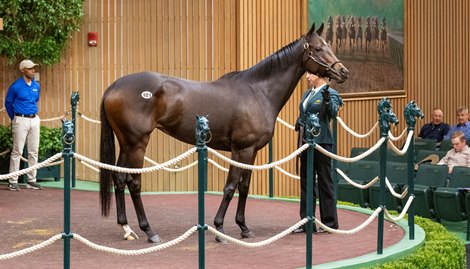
(462, 125)
(436, 129)
(459, 155)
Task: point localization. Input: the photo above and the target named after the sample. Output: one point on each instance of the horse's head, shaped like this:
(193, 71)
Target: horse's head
(412, 111)
(319, 58)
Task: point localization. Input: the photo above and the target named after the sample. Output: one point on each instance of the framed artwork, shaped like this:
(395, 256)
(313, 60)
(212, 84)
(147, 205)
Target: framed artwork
(367, 37)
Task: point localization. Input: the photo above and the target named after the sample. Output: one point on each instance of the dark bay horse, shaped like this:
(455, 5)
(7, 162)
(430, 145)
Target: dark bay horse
(242, 107)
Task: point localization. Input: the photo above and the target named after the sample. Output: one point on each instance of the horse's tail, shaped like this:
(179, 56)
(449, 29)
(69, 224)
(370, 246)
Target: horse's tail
(107, 155)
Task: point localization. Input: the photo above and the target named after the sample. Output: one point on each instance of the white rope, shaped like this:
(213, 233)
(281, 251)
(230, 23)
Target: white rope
(285, 123)
(354, 133)
(355, 184)
(135, 170)
(2, 109)
(90, 166)
(31, 249)
(352, 231)
(405, 147)
(174, 170)
(259, 167)
(54, 119)
(136, 251)
(34, 167)
(4, 153)
(353, 159)
(261, 243)
(23, 159)
(403, 212)
(398, 137)
(286, 173)
(392, 191)
(218, 165)
(88, 119)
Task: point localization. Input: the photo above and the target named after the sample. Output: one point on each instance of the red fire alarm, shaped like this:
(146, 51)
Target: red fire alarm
(92, 39)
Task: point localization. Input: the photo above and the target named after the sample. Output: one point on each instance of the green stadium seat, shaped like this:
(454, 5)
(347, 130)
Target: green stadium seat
(446, 145)
(360, 172)
(450, 202)
(424, 144)
(428, 178)
(397, 174)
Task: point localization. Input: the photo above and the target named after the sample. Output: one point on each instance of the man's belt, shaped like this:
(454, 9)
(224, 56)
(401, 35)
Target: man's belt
(25, 115)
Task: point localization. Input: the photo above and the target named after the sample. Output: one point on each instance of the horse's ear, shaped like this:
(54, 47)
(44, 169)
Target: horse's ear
(320, 30)
(312, 30)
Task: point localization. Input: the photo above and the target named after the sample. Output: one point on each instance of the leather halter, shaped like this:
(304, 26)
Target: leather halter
(328, 67)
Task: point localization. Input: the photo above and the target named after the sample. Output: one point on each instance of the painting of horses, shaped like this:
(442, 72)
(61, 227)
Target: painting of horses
(367, 35)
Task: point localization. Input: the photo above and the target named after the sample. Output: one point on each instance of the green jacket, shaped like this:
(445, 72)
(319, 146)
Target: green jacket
(326, 112)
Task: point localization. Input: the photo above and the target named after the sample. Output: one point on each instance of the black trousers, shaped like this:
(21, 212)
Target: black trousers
(327, 198)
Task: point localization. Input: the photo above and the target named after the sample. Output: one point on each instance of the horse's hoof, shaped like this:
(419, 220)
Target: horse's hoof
(221, 240)
(247, 234)
(130, 238)
(155, 239)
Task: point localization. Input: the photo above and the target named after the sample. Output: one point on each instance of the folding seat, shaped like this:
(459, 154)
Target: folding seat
(392, 156)
(428, 178)
(446, 145)
(397, 174)
(356, 151)
(361, 172)
(450, 202)
(424, 144)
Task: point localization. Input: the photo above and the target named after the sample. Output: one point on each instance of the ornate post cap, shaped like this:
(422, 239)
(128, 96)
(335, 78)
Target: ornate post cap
(411, 112)
(67, 134)
(203, 134)
(74, 99)
(312, 127)
(386, 116)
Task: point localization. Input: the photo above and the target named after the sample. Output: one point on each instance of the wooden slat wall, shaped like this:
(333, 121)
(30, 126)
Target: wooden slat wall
(203, 39)
(265, 27)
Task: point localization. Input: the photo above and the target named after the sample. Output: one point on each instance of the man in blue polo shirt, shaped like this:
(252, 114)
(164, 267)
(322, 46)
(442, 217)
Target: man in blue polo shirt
(463, 124)
(21, 104)
(436, 129)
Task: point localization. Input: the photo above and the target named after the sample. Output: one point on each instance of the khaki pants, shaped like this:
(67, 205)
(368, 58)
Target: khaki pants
(25, 131)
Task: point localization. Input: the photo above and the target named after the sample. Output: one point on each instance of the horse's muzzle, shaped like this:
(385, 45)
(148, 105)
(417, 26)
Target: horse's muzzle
(340, 73)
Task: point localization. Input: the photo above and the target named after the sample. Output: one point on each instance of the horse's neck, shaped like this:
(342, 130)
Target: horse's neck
(278, 84)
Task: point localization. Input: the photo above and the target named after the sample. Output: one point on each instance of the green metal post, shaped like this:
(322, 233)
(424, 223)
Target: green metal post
(202, 130)
(75, 97)
(310, 205)
(411, 112)
(411, 186)
(271, 174)
(312, 129)
(386, 116)
(380, 230)
(67, 154)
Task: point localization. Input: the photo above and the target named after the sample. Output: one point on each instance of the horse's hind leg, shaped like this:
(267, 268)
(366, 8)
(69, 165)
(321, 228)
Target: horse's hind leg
(135, 159)
(119, 188)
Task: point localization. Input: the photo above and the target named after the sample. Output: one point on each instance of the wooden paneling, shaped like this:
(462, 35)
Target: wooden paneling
(204, 39)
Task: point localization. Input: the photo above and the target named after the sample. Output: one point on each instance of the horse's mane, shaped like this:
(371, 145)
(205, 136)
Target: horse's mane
(276, 62)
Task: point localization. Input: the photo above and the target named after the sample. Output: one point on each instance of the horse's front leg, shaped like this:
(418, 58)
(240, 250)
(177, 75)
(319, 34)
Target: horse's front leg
(243, 188)
(233, 178)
